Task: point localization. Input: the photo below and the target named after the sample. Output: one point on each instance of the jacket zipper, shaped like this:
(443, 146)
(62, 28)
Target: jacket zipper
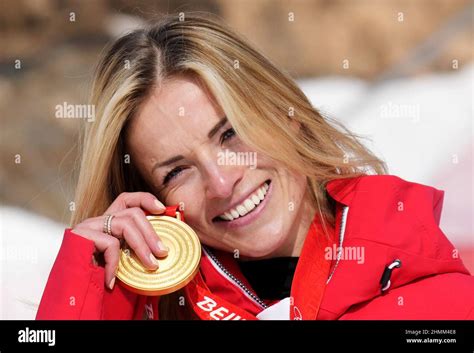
(255, 298)
(342, 230)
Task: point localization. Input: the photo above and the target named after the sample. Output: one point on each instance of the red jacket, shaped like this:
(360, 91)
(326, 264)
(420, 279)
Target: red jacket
(391, 219)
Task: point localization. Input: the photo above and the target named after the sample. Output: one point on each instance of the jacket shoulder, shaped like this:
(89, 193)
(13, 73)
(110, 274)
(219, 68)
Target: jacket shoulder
(388, 189)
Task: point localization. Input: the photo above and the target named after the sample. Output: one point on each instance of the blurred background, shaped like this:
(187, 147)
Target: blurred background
(399, 72)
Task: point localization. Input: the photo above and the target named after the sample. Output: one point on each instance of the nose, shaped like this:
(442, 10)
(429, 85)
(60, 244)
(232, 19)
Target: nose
(220, 180)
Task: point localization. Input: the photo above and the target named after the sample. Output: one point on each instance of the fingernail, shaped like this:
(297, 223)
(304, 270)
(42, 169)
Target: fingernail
(154, 260)
(162, 246)
(159, 205)
(111, 284)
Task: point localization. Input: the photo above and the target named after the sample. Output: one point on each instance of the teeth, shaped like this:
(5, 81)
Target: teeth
(246, 206)
(249, 205)
(242, 210)
(255, 199)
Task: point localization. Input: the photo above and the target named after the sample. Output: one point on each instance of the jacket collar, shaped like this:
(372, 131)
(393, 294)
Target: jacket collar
(343, 190)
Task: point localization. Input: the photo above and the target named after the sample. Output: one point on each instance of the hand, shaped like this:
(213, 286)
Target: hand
(129, 223)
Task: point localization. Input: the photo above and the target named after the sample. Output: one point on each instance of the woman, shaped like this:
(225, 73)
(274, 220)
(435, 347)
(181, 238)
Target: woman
(311, 229)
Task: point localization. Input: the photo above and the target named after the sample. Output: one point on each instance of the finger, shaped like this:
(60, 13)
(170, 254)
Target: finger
(144, 200)
(111, 257)
(94, 223)
(137, 215)
(109, 246)
(124, 227)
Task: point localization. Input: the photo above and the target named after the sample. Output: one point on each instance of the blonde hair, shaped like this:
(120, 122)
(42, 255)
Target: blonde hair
(259, 100)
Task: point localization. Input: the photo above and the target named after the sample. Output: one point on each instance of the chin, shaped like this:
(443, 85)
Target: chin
(262, 249)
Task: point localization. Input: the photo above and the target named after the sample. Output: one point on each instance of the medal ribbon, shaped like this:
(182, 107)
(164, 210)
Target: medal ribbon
(171, 211)
(212, 307)
(312, 271)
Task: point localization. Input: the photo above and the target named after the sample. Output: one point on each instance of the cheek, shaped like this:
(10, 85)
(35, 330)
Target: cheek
(190, 198)
(290, 190)
(298, 183)
(295, 188)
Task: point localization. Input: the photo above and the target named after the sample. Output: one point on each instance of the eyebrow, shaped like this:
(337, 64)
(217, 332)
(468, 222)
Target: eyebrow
(217, 127)
(177, 158)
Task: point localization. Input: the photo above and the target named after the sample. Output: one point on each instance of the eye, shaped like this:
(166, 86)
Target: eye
(228, 134)
(172, 174)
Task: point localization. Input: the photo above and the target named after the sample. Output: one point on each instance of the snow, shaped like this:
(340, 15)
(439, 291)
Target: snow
(29, 244)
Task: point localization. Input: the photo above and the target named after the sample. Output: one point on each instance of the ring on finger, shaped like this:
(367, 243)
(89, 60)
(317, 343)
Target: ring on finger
(107, 229)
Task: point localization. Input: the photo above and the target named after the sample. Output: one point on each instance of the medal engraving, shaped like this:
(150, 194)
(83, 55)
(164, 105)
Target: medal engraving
(175, 270)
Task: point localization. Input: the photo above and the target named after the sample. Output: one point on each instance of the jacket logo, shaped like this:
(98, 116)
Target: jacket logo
(217, 313)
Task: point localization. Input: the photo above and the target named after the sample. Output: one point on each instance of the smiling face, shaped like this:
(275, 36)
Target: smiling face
(233, 197)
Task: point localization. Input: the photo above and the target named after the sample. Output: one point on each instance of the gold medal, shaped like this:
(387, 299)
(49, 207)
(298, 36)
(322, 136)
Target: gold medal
(174, 271)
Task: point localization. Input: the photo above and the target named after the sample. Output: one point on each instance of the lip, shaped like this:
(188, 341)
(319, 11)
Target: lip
(249, 217)
(235, 204)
